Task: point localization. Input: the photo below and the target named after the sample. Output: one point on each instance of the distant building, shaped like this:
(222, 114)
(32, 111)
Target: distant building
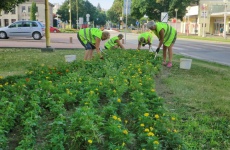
(22, 12)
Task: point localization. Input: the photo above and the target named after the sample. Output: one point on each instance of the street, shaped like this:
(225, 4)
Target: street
(218, 52)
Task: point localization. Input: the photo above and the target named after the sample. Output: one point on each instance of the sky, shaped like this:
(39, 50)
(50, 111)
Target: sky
(105, 4)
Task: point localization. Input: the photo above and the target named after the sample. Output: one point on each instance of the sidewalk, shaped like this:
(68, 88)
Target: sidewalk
(57, 41)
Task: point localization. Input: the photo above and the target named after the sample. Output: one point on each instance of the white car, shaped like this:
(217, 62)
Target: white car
(33, 29)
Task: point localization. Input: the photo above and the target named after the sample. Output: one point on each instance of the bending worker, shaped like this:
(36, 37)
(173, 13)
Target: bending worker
(167, 37)
(145, 38)
(90, 38)
(114, 42)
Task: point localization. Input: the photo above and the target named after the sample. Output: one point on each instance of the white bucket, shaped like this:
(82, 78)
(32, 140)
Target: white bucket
(70, 58)
(185, 63)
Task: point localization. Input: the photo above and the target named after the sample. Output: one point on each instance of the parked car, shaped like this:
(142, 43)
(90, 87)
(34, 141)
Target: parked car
(33, 29)
(54, 30)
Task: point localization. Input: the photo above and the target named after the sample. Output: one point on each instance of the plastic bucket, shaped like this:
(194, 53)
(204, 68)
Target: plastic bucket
(185, 63)
(70, 58)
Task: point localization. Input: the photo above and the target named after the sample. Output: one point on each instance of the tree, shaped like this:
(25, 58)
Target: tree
(115, 12)
(84, 7)
(153, 8)
(33, 11)
(8, 5)
(99, 7)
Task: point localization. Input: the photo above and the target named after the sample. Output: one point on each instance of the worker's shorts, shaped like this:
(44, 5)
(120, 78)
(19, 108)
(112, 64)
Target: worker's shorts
(88, 46)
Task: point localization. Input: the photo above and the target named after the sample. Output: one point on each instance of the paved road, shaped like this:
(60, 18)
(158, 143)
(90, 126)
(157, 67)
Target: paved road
(205, 50)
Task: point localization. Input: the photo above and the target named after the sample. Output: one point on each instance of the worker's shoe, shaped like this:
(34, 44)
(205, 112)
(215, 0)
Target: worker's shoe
(169, 65)
(164, 63)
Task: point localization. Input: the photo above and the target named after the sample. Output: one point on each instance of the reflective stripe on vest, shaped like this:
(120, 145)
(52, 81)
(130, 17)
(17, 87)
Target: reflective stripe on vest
(168, 33)
(90, 35)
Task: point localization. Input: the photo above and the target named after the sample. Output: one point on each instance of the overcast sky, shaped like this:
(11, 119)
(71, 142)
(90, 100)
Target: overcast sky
(105, 4)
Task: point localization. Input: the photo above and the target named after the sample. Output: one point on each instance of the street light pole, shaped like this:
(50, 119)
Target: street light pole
(225, 15)
(176, 17)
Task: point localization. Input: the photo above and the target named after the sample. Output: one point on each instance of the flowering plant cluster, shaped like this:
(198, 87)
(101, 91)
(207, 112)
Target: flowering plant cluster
(98, 104)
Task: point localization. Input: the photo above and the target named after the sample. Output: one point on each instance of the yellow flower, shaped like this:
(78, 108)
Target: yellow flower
(156, 142)
(173, 118)
(1, 85)
(142, 125)
(119, 119)
(151, 128)
(126, 121)
(1, 77)
(118, 100)
(47, 77)
(100, 83)
(157, 116)
(146, 130)
(150, 134)
(91, 92)
(115, 117)
(90, 141)
(175, 130)
(123, 144)
(125, 131)
(96, 89)
(114, 91)
(146, 114)
(153, 90)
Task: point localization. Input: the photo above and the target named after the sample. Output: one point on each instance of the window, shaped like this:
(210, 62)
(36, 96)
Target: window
(6, 12)
(6, 21)
(34, 24)
(29, 9)
(13, 20)
(23, 8)
(13, 11)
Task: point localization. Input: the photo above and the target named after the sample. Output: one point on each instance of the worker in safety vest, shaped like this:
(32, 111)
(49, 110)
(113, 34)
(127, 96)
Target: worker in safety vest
(90, 38)
(114, 42)
(167, 37)
(145, 38)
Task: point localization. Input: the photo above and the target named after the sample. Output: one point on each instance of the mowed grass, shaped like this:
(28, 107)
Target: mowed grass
(199, 98)
(17, 61)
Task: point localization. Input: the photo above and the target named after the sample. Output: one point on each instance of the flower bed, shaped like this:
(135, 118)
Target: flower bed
(98, 104)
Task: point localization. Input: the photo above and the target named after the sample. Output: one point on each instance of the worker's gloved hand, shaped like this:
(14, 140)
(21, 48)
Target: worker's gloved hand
(157, 50)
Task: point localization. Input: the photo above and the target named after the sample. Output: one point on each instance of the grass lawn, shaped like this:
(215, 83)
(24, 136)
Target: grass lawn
(199, 97)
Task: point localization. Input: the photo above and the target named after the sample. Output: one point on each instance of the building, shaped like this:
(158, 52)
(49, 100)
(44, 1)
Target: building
(22, 12)
(207, 18)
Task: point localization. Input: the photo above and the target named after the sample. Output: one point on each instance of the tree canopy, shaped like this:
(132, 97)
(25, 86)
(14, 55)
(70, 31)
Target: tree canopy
(150, 8)
(8, 5)
(84, 7)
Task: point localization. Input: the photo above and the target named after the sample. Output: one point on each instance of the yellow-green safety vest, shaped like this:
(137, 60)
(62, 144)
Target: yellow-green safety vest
(169, 33)
(145, 35)
(111, 42)
(89, 35)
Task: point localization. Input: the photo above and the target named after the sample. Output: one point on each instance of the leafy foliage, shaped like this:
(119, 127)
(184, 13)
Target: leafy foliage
(84, 7)
(8, 5)
(33, 11)
(98, 104)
